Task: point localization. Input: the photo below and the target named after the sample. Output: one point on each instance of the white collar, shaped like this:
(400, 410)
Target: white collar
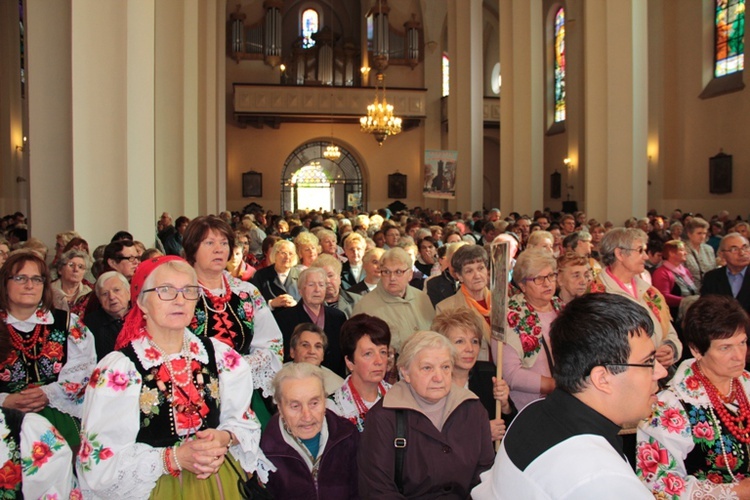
(150, 357)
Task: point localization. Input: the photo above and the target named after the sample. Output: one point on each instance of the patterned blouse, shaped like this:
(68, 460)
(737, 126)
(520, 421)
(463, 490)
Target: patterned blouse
(683, 450)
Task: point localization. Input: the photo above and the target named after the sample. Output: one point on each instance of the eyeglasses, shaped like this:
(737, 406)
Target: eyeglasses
(74, 266)
(640, 250)
(650, 364)
(736, 250)
(22, 279)
(3, 253)
(539, 280)
(397, 273)
(168, 292)
(132, 259)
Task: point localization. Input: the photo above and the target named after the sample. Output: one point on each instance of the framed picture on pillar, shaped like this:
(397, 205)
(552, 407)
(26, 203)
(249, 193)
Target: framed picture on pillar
(252, 184)
(555, 185)
(720, 174)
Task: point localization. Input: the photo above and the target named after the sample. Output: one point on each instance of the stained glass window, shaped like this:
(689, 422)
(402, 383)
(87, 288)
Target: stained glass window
(730, 31)
(310, 22)
(446, 74)
(560, 65)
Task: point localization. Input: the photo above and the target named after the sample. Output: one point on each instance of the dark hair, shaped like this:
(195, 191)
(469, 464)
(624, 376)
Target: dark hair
(15, 262)
(469, 254)
(121, 235)
(268, 243)
(713, 317)
(654, 246)
(594, 330)
(307, 327)
(114, 251)
(357, 327)
(75, 242)
(428, 239)
(181, 220)
(197, 231)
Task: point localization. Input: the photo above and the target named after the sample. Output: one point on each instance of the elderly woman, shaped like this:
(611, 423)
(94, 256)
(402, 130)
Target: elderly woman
(230, 309)
(113, 291)
(624, 255)
(471, 266)
(167, 415)
(371, 268)
(336, 297)
(541, 239)
(573, 276)
(53, 353)
(308, 248)
(527, 357)
(580, 243)
(312, 309)
(672, 278)
(278, 282)
(444, 429)
(308, 345)
(313, 449)
(403, 307)
(695, 443)
(700, 256)
(69, 292)
(676, 230)
(352, 271)
(427, 261)
(466, 332)
(364, 343)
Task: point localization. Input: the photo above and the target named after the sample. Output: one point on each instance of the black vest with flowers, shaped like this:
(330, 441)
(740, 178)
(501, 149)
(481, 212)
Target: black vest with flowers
(19, 371)
(158, 414)
(234, 326)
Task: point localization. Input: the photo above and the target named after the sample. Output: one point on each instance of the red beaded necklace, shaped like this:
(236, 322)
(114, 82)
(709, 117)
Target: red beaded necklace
(219, 303)
(26, 346)
(738, 425)
(359, 402)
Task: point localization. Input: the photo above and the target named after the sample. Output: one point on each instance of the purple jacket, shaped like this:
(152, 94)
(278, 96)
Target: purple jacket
(337, 476)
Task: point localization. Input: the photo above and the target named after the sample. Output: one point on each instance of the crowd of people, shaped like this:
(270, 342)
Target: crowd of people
(352, 355)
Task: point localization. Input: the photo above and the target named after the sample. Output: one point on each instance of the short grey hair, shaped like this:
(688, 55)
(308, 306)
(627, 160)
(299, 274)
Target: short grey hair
(70, 255)
(296, 371)
(397, 254)
(696, 223)
(282, 243)
(305, 275)
(536, 238)
(619, 237)
(104, 277)
(530, 262)
(420, 341)
(730, 235)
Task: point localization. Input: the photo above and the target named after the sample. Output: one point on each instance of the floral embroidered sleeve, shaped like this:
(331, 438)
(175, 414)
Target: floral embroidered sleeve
(663, 442)
(110, 462)
(46, 460)
(266, 349)
(235, 393)
(67, 393)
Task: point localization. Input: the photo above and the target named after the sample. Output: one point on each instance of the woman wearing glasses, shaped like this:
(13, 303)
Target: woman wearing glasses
(70, 293)
(167, 415)
(695, 445)
(624, 255)
(52, 354)
(231, 310)
(527, 358)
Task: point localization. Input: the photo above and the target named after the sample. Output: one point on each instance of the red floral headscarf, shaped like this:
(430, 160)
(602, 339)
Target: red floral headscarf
(135, 324)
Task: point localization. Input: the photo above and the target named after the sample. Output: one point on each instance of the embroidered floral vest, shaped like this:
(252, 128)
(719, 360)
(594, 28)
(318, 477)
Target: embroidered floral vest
(234, 326)
(18, 372)
(157, 415)
(10, 471)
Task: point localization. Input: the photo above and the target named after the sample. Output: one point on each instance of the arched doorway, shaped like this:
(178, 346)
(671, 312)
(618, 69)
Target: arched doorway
(311, 181)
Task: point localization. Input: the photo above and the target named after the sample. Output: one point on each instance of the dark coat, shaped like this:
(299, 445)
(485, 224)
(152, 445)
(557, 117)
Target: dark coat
(441, 287)
(105, 329)
(289, 317)
(347, 277)
(437, 464)
(337, 474)
(267, 281)
(715, 282)
(360, 288)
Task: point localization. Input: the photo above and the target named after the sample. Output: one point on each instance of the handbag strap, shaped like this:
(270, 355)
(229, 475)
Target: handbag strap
(400, 444)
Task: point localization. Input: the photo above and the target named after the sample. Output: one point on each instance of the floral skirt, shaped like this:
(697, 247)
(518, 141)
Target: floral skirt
(222, 485)
(69, 427)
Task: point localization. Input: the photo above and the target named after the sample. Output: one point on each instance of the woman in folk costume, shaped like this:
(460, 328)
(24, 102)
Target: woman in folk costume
(167, 415)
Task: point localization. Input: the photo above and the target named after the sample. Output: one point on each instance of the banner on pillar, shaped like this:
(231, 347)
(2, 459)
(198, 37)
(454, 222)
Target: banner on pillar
(440, 169)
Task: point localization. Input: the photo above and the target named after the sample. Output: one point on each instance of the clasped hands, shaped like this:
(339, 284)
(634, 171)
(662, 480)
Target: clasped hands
(204, 454)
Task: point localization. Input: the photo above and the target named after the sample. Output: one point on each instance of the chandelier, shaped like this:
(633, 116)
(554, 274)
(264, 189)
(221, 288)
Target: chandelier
(331, 152)
(380, 121)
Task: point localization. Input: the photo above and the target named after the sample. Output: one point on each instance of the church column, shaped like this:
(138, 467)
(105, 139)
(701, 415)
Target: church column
(521, 106)
(616, 108)
(465, 119)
